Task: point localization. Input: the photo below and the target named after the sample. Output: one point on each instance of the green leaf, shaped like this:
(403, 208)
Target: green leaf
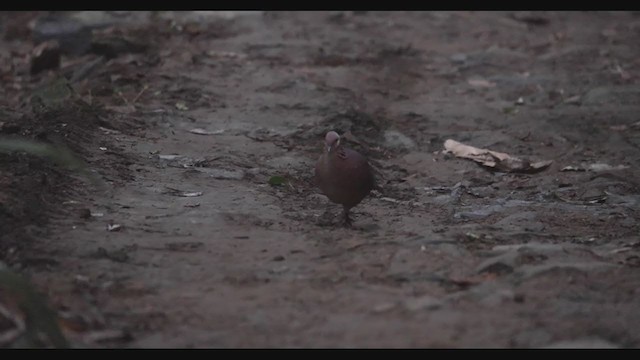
(277, 180)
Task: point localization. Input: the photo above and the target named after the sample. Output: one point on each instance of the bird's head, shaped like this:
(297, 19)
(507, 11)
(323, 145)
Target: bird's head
(331, 141)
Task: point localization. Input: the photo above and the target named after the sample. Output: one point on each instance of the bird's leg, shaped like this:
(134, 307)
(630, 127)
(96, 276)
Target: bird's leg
(347, 219)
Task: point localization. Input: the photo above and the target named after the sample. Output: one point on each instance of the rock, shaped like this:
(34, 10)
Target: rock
(396, 140)
(45, 56)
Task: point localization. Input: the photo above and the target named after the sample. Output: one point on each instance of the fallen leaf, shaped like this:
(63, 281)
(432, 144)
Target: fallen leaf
(493, 159)
(277, 180)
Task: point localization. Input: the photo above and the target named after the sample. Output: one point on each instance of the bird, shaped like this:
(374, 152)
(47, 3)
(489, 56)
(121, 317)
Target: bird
(343, 175)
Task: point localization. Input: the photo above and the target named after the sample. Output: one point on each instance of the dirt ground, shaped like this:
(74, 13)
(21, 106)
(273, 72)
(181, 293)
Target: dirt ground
(186, 117)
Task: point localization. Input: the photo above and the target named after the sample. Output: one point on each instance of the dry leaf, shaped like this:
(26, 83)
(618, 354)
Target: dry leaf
(493, 159)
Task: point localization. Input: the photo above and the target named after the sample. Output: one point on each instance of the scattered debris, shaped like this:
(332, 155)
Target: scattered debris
(496, 160)
(206, 132)
(573, 100)
(597, 167)
(598, 199)
(181, 105)
(181, 193)
(170, 157)
(480, 83)
(114, 227)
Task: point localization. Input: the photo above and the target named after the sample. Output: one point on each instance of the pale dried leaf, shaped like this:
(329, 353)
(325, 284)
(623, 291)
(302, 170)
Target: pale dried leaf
(493, 159)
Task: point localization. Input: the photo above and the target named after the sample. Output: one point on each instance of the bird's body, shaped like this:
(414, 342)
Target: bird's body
(343, 174)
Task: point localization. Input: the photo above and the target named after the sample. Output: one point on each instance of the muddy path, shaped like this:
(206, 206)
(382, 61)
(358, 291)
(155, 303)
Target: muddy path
(188, 244)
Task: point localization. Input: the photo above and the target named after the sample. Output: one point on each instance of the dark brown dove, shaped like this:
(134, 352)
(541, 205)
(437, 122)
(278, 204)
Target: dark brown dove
(343, 174)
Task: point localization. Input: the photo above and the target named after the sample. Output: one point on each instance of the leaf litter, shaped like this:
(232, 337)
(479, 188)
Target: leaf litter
(493, 159)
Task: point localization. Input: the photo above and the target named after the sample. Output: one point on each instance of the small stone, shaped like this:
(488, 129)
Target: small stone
(278, 258)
